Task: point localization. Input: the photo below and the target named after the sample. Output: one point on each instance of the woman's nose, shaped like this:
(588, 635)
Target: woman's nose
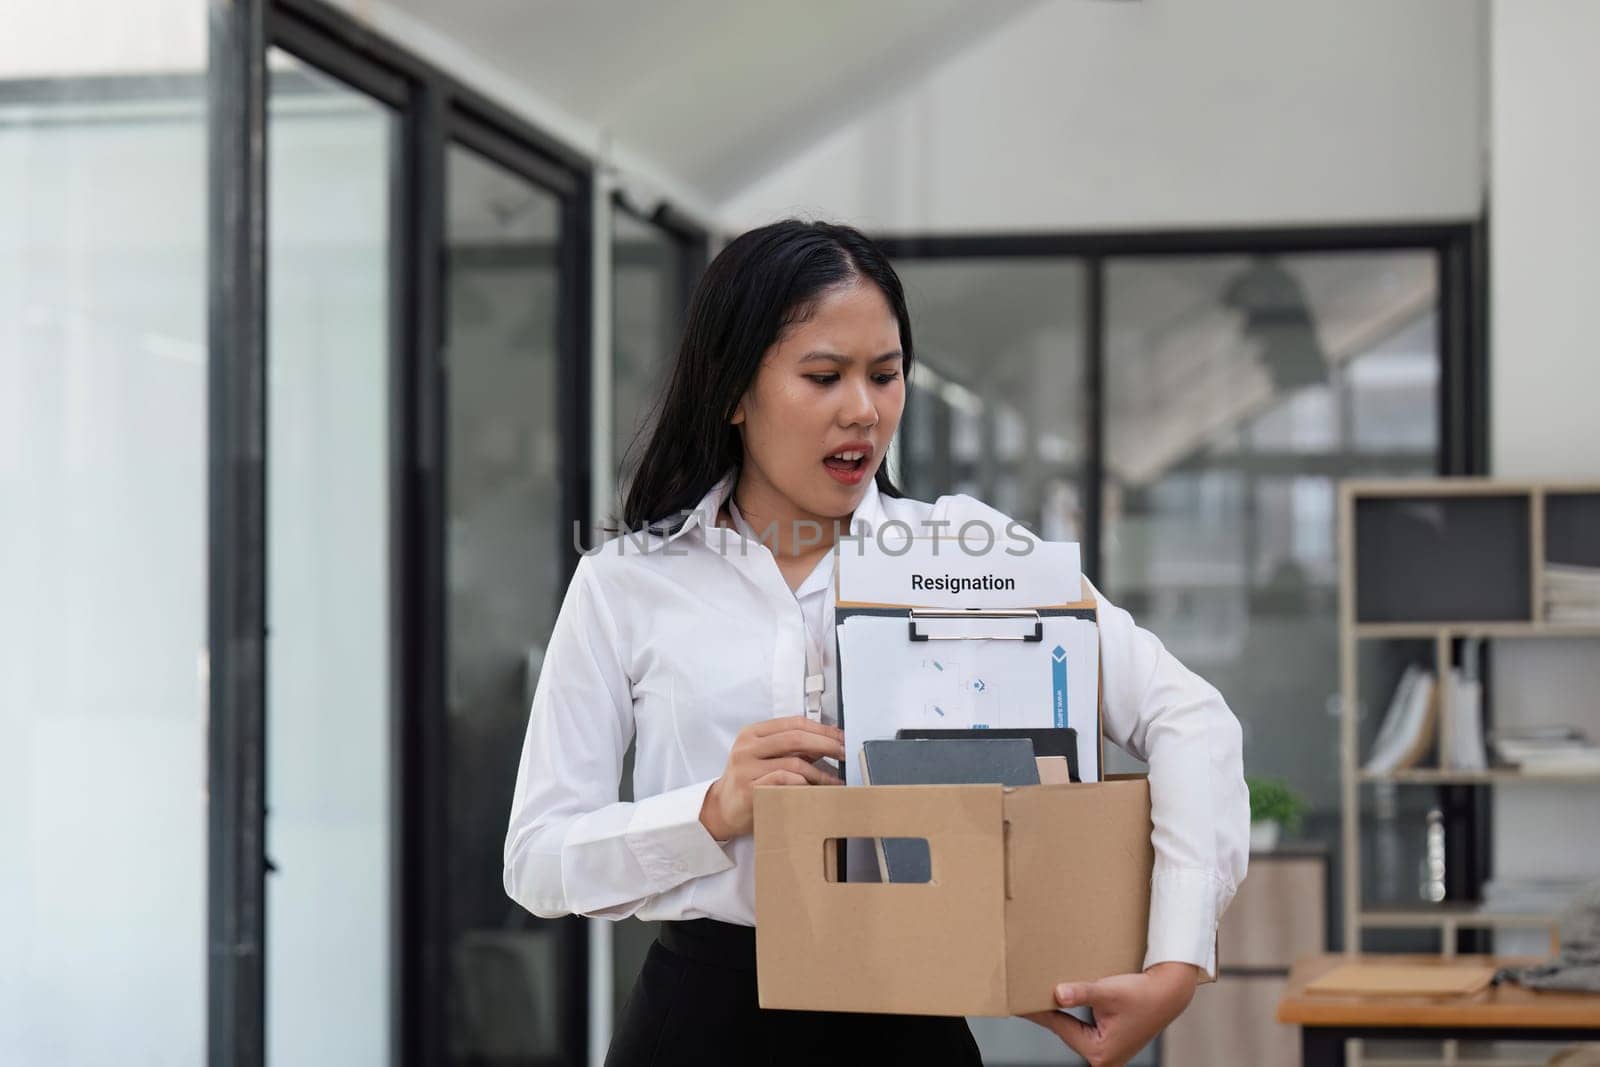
(860, 409)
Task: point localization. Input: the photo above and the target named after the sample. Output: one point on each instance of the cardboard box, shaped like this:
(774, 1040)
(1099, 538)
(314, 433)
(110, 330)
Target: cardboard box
(1031, 886)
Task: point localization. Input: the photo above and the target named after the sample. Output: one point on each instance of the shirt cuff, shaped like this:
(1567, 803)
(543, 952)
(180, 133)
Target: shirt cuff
(1185, 905)
(670, 842)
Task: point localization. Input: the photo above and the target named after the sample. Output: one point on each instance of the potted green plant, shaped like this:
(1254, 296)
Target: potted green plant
(1274, 807)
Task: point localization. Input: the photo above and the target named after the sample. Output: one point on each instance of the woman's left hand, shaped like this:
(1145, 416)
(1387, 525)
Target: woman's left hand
(1129, 1010)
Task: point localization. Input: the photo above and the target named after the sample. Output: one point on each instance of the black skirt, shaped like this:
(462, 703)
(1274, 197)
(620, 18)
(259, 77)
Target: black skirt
(695, 1003)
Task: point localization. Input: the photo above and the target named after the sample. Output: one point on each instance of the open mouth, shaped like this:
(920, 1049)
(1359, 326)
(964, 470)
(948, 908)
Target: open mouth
(848, 461)
(848, 465)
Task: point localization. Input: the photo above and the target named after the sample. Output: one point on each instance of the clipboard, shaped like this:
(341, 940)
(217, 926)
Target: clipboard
(926, 631)
(918, 631)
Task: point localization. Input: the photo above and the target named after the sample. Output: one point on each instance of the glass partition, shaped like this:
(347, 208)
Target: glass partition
(329, 957)
(505, 575)
(103, 475)
(650, 284)
(998, 406)
(1239, 390)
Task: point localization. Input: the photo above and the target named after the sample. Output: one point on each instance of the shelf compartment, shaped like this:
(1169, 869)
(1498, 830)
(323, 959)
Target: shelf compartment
(1447, 557)
(1572, 528)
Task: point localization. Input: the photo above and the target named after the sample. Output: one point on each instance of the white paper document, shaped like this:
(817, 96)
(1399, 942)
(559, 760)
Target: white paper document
(929, 572)
(890, 682)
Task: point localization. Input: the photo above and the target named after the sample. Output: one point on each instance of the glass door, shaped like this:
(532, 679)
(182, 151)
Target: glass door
(507, 551)
(1240, 389)
(998, 406)
(330, 956)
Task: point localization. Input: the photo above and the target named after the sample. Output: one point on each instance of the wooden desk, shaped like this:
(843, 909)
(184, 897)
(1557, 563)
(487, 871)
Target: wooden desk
(1500, 1013)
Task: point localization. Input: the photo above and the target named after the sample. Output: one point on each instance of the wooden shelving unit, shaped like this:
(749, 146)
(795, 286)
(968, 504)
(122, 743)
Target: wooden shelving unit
(1511, 526)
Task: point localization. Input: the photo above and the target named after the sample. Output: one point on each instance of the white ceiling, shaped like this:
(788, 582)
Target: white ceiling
(714, 92)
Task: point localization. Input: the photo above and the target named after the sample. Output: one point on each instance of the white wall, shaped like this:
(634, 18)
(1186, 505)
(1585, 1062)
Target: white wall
(59, 38)
(1545, 238)
(1166, 113)
(1545, 373)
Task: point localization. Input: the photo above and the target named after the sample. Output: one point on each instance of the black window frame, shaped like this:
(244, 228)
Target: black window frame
(693, 241)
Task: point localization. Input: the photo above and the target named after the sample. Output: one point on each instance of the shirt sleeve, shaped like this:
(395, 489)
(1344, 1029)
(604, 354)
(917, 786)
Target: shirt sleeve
(572, 847)
(1165, 714)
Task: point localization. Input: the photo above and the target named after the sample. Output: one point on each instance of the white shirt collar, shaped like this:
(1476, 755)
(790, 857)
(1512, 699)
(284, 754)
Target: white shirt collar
(705, 510)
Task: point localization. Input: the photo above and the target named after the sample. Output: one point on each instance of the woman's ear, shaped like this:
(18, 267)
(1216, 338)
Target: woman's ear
(738, 414)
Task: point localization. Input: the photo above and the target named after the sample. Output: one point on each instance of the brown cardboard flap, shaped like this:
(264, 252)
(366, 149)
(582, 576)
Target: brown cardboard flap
(906, 953)
(1053, 770)
(1078, 866)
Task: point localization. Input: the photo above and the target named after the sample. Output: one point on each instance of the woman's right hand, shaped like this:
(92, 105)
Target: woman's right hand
(771, 752)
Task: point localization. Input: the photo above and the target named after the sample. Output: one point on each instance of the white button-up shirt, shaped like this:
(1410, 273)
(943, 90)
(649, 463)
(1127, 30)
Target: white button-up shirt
(680, 640)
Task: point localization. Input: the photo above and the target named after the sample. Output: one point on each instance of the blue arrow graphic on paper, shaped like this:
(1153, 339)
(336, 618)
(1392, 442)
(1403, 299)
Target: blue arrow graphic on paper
(1058, 677)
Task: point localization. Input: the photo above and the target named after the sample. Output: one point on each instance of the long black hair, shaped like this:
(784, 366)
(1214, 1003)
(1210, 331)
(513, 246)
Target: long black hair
(762, 282)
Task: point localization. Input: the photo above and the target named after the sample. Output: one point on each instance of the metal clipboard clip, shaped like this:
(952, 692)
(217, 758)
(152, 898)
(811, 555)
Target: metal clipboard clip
(915, 614)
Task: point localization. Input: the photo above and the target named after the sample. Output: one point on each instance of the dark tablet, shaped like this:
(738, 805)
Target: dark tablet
(1048, 741)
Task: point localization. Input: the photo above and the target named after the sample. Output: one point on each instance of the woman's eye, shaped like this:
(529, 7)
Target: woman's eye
(829, 379)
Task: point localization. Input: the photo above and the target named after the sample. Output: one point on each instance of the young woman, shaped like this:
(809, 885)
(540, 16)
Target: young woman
(707, 638)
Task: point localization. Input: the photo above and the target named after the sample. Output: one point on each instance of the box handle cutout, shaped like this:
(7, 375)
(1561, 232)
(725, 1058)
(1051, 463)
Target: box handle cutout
(909, 859)
(1005, 867)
